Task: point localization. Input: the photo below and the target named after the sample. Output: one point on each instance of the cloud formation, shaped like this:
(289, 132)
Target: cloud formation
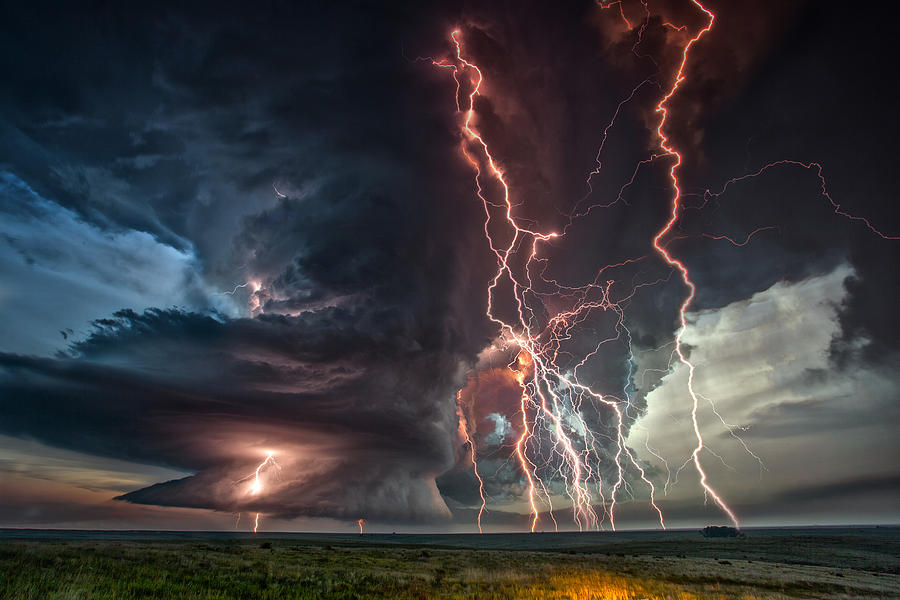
(763, 363)
(246, 230)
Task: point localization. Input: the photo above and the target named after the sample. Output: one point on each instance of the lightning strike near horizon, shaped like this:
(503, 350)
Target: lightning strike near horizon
(472, 268)
(554, 401)
(256, 486)
(670, 150)
(469, 446)
(537, 315)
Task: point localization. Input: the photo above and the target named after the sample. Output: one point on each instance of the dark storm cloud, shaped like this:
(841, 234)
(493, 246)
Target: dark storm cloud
(772, 82)
(813, 94)
(862, 486)
(354, 405)
(769, 83)
(356, 399)
(367, 271)
(181, 134)
(177, 122)
(840, 414)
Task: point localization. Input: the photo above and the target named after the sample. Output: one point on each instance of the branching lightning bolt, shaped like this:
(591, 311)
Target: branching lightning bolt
(669, 149)
(470, 449)
(256, 485)
(553, 398)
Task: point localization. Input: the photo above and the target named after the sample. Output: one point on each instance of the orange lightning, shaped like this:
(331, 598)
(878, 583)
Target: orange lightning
(360, 523)
(470, 448)
(554, 397)
(502, 255)
(543, 312)
(256, 485)
(527, 465)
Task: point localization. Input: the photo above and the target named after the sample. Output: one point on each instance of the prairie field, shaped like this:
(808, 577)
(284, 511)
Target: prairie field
(420, 567)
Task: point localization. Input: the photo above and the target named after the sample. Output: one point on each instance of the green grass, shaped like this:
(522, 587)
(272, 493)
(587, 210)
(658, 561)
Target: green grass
(275, 569)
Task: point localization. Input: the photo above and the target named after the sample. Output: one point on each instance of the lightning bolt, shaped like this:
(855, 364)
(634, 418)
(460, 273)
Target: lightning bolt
(254, 302)
(670, 150)
(556, 441)
(823, 190)
(552, 399)
(236, 288)
(470, 449)
(528, 467)
(255, 486)
(360, 523)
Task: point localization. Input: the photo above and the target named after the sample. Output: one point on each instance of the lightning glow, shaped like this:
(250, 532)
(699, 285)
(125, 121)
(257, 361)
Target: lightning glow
(470, 449)
(256, 484)
(536, 315)
(553, 399)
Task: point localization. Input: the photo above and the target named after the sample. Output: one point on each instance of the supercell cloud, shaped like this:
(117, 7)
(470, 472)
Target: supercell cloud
(227, 232)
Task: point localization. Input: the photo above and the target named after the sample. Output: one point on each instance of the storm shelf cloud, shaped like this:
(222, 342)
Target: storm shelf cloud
(245, 233)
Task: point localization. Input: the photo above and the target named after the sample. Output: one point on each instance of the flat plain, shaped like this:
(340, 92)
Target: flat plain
(768, 564)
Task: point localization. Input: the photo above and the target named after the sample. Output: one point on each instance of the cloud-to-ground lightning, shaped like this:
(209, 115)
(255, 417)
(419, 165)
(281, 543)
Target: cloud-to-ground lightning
(662, 237)
(360, 523)
(256, 483)
(553, 398)
(556, 440)
(469, 446)
(658, 243)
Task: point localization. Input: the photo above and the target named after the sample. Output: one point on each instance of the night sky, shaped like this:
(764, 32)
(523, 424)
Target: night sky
(235, 230)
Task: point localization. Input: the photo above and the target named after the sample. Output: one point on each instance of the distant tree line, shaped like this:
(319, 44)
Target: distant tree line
(721, 531)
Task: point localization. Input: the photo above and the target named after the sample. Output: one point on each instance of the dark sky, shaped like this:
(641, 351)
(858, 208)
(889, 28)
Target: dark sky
(231, 230)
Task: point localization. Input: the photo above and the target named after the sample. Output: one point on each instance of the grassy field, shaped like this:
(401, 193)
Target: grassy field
(764, 567)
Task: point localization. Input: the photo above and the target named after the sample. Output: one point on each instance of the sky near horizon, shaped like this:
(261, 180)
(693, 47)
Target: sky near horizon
(252, 262)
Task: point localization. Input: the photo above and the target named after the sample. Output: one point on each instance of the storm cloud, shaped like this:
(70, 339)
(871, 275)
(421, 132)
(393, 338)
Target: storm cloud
(231, 231)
